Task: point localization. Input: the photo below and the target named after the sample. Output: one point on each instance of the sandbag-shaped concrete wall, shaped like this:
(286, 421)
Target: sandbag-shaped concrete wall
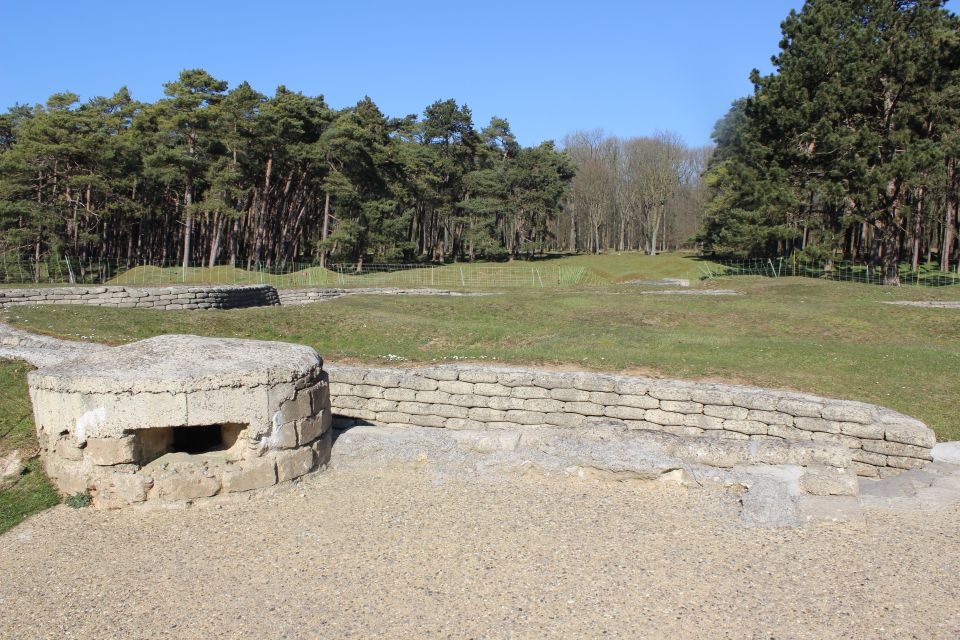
(165, 298)
(882, 442)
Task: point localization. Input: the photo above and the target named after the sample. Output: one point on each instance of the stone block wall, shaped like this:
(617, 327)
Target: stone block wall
(306, 296)
(176, 419)
(882, 442)
(164, 298)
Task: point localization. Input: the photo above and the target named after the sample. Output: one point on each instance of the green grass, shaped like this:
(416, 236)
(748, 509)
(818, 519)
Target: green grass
(33, 492)
(542, 273)
(834, 339)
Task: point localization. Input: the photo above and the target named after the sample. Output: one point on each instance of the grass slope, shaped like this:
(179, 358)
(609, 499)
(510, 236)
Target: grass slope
(545, 273)
(834, 339)
(33, 492)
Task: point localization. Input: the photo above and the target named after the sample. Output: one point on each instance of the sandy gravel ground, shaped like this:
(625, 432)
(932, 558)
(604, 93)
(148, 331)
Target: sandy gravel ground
(373, 553)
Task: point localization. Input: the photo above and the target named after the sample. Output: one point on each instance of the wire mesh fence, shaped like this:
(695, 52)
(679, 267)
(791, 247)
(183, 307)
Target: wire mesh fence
(928, 275)
(457, 275)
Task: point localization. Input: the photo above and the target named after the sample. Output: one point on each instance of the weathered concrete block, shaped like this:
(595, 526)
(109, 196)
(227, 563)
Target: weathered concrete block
(347, 375)
(543, 406)
(670, 391)
(182, 485)
(908, 431)
(625, 413)
(111, 451)
(394, 417)
(502, 403)
(789, 433)
(381, 378)
(816, 424)
(406, 395)
(639, 402)
(491, 389)
(756, 400)
(118, 490)
(836, 438)
(413, 408)
(770, 417)
(627, 387)
(284, 436)
(450, 411)
(479, 375)
(848, 412)
(295, 463)
(250, 474)
(570, 395)
(526, 393)
(458, 387)
(484, 414)
(862, 431)
(70, 477)
(564, 419)
(868, 457)
(349, 402)
(300, 406)
(552, 381)
(418, 384)
(726, 412)
(748, 427)
(702, 421)
(515, 378)
(429, 397)
(584, 408)
(367, 391)
(309, 429)
(658, 416)
(432, 421)
(440, 373)
(898, 462)
(799, 408)
(593, 382)
(711, 396)
(865, 470)
(897, 449)
(377, 404)
(681, 406)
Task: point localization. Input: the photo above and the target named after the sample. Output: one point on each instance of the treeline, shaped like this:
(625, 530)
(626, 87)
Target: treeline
(207, 175)
(641, 193)
(849, 149)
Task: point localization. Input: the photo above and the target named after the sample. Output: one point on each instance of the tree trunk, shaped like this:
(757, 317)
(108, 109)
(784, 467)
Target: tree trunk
(951, 216)
(187, 223)
(917, 230)
(326, 228)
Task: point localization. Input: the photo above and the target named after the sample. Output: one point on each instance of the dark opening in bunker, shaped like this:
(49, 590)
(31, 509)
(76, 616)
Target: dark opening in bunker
(193, 440)
(197, 439)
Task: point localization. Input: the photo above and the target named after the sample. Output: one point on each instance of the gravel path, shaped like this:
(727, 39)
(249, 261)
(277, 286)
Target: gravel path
(395, 552)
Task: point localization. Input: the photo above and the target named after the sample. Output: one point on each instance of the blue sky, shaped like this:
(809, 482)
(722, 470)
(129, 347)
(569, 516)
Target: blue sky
(629, 68)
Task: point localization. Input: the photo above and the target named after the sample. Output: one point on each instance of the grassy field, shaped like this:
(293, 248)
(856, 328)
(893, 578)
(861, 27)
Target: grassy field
(544, 273)
(33, 492)
(835, 339)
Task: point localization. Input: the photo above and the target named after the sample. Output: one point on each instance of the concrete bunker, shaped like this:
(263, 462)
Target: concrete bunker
(182, 418)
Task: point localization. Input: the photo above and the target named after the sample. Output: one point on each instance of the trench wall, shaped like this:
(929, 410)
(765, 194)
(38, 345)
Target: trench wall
(882, 442)
(167, 298)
